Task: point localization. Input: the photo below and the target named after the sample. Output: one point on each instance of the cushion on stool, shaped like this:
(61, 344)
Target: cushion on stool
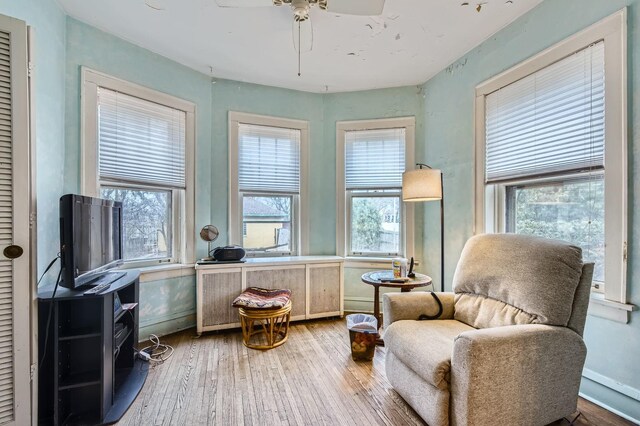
(262, 298)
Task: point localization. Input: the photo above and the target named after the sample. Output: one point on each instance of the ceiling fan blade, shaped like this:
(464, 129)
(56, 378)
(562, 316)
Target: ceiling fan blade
(303, 35)
(356, 7)
(244, 3)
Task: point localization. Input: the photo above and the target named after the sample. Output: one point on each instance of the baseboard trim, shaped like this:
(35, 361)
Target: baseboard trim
(166, 318)
(627, 390)
(167, 326)
(609, 408)
(359, 299)
(359, 304)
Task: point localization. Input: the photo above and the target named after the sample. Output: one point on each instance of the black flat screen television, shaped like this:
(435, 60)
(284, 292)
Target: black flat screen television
(90, 238)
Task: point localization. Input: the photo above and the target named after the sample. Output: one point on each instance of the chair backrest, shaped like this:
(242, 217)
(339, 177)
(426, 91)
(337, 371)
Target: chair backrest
(508, 279)
(581, 300)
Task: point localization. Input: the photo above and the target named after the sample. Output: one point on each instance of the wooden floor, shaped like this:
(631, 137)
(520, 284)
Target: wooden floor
(311, 379)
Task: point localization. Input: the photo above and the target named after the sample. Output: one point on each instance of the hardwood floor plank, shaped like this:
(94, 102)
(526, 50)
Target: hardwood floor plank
(181, 360)
(296, 359)
(196, 388)
(137, 412)
(212, 382)
(165, 385)
(351, 390)
(305, 401)
(310, 380)
(185, 382)
(372, 381)
(313, 360)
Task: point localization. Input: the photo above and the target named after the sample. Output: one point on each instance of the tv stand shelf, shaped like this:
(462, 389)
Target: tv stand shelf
(86, 376)
(80, 334)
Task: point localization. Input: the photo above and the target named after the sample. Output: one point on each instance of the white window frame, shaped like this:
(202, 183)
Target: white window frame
(300, 234)
(183, 201)
(343, 200)
(490, 199)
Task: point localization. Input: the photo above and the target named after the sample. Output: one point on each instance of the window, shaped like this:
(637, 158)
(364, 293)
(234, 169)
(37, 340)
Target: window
(569, 209)
(138, 147)
(372, 155)
(552, 150)
(266, 175)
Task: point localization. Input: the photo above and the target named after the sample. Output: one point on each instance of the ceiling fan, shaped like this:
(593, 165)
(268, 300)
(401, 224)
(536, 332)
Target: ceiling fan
(302, 28)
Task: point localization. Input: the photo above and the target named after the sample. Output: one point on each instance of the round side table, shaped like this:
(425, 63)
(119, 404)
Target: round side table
(379, 279)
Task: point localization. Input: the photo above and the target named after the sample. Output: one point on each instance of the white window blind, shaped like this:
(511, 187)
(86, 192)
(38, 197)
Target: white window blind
(548, 122)
(140, 141)
(374, 158)
(268, 159)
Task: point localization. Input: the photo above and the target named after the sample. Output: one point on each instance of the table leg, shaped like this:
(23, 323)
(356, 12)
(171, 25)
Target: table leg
(376, 304)
(376, 312)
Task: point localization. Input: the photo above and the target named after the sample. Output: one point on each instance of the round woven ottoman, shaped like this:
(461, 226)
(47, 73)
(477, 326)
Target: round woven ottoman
(264, 317)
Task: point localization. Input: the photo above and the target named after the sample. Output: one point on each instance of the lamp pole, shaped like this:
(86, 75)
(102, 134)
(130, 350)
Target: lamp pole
(442, 232)
(421, 186)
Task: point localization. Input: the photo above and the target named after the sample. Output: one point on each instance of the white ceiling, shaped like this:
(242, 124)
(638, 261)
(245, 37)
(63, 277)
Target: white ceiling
(409, 43)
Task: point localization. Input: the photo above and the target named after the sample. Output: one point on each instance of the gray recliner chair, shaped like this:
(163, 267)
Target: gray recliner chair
(508, 348)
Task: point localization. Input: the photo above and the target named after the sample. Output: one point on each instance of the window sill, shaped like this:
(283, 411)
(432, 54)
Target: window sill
(369, 262)
(166, 271)
(603, 308)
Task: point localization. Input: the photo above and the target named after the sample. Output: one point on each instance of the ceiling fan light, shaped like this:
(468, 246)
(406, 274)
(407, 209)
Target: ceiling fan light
(300, 10)
(300, 17)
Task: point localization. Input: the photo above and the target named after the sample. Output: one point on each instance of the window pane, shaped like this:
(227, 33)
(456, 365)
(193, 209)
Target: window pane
(146, 222)
(571, 211)
(375, 225)
(267, 224)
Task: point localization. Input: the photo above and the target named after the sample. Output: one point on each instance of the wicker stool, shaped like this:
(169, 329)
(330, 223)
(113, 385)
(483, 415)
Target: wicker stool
(264, 317)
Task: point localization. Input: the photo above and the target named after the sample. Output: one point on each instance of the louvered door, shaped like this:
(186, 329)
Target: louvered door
(15, 332)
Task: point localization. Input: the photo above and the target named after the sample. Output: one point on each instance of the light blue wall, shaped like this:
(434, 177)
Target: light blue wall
(87, 46)
(383, 103)
(92, 48)
(371, 104)
(321, 111)
(166, 305)
(444, 116)
(613, 348)
(48, 21)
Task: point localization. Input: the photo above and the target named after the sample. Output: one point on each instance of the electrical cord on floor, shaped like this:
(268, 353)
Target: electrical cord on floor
(156, 353)
(53, 296)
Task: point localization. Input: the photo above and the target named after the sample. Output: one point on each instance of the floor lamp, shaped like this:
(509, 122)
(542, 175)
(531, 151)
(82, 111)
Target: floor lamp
(426, 184)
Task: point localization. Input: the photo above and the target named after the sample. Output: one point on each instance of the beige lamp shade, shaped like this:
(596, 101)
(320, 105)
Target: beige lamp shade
(421, 185)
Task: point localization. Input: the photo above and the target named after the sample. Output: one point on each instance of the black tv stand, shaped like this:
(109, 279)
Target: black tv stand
(87, 376)
(105, 278)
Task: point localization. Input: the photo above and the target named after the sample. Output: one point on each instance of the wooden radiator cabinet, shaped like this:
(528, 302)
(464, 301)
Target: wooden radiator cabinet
(316, 284)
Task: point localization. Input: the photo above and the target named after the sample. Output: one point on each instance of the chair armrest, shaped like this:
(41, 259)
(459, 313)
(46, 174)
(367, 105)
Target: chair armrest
(403, 306)
(528, 374)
